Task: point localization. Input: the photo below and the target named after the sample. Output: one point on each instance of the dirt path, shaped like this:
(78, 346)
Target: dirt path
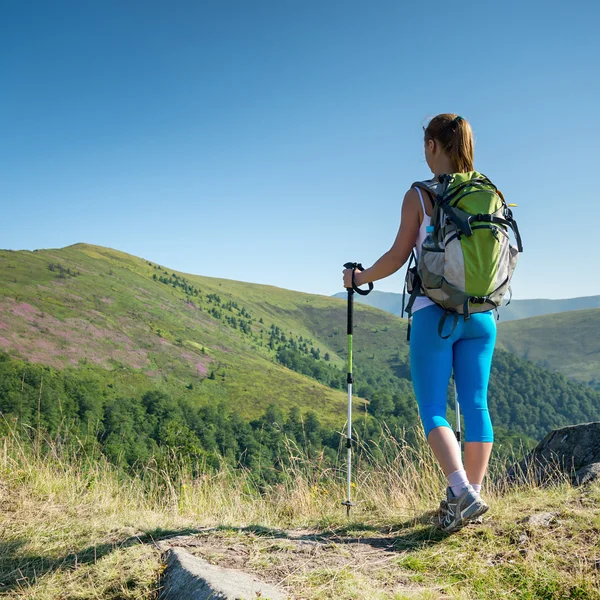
(365, 562)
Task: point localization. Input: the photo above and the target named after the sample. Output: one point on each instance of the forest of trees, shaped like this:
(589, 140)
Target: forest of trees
(525, 403)
(76, 405)
(526, 400)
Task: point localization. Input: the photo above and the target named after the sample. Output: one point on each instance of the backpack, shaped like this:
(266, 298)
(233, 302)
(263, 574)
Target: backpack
(467, 261)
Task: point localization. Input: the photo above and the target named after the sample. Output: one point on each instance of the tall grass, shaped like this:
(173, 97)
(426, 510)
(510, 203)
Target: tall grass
(390, 477)
(75, 526)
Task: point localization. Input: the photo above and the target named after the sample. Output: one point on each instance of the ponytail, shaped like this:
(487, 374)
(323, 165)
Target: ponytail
(455, 136)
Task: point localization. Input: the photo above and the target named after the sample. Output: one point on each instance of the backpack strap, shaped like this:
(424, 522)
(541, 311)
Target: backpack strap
(436, 189)
(413, 295)
(507, 222)
(443, 322)
(513, 224)
(477, 300)
(430, 186)
(477, 182)
(460, 218)
(416, 291)
(509, 296)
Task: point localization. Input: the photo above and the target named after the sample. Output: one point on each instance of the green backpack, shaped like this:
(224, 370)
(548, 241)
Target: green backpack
(467, 260)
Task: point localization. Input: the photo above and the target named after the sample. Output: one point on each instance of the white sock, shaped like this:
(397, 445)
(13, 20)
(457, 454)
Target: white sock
(458, 481)
(476, 487)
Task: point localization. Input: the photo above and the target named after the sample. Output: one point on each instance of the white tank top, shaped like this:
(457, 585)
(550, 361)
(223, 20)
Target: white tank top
(422, 301)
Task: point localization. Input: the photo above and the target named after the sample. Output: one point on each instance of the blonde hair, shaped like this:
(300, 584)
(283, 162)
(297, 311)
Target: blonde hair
(455, 136)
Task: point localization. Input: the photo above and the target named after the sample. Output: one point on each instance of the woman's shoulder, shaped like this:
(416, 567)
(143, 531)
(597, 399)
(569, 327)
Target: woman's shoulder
(412, 195)
(415, 202)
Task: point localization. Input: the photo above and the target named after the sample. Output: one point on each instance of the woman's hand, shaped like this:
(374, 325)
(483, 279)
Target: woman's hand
(348, 278)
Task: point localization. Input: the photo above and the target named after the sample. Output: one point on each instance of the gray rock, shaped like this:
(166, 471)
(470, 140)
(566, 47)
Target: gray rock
(573, 450)
(544, 519)
(588, 473)
(188, 577)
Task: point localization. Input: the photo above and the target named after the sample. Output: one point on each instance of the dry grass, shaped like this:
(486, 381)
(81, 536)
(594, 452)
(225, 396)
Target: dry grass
(73, 527)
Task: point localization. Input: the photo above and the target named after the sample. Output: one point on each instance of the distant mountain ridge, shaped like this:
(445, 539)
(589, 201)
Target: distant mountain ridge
(517, 309)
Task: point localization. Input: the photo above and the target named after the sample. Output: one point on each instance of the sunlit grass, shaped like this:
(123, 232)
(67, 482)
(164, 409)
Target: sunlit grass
(75, 527)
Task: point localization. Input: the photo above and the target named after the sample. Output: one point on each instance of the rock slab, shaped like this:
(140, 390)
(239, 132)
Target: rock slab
(188, 577)
(573, 450)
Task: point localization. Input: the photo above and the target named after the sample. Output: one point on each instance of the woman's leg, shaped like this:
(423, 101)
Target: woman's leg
(446, 449)
(431, 360)
(472, 365)
(477, 456)
(431, 365)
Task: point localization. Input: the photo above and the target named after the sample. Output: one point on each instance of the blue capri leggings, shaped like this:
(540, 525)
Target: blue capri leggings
(469, 351)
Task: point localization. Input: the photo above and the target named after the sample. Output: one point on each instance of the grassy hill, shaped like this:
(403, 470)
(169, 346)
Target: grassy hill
(135, 326)
(567, 342)
(107, 310)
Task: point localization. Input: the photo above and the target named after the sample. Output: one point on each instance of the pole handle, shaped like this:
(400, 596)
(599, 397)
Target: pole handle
(355, 288)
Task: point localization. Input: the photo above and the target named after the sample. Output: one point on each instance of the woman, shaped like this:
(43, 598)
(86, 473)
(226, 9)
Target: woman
(468, 351)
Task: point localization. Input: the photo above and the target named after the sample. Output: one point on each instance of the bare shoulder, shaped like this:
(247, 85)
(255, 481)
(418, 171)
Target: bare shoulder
(411, 204)
(412, 197)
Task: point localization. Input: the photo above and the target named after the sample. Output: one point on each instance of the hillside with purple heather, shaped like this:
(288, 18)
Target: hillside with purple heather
(202, 341)
(197, 336)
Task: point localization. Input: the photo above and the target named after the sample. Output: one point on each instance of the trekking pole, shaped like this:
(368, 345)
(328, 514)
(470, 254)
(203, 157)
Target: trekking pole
(348, 503)
(457, 432)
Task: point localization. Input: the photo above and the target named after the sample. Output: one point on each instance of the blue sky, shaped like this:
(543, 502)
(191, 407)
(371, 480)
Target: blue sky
(271, 141)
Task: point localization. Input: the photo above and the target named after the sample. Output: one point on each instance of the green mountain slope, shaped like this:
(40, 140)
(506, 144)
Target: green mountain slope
(91, 305)
(215, 342)
(568, 343)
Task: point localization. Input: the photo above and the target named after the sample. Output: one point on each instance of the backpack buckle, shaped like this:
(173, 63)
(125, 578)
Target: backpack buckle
(483, 218)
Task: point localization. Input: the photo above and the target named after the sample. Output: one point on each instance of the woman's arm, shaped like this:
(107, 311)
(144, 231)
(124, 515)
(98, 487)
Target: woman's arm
(405, 241)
